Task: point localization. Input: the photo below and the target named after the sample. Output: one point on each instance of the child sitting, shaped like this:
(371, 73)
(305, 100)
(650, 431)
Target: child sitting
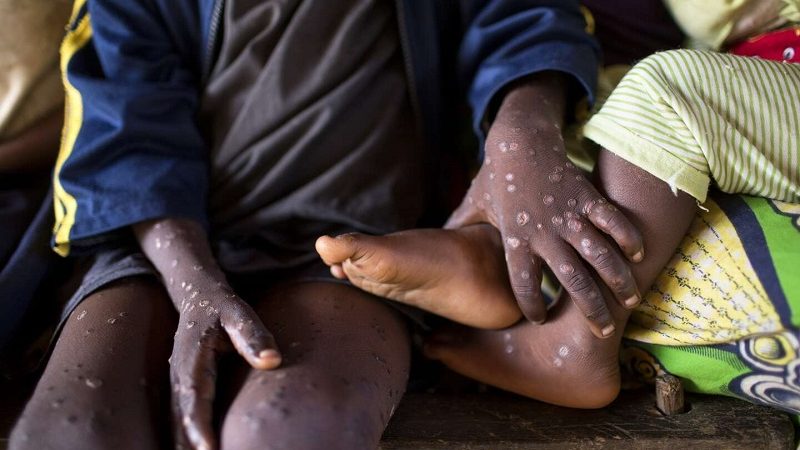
(678, 120)
(207, 145)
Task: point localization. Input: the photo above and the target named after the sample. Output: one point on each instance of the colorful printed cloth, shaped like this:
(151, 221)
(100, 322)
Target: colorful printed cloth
(724, 315)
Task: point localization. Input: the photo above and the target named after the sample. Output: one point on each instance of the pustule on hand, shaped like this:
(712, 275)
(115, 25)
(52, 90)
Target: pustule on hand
(547, 211)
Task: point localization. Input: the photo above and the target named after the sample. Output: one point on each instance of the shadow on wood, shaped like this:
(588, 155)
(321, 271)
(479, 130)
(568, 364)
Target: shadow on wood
(503, 421)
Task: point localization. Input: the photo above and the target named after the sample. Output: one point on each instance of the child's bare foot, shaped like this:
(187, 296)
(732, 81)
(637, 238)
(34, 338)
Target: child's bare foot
(559, 361)
(458, 274)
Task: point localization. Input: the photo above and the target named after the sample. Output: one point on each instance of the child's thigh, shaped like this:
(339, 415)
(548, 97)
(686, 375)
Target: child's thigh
(107, 377)
(346, 361)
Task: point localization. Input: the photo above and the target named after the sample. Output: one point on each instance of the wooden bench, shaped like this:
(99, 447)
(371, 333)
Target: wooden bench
(495, 420)
(501, 421)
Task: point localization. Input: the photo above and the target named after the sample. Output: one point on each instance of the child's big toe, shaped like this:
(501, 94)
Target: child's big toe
(335, 250)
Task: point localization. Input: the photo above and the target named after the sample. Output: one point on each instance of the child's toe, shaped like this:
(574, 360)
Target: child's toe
(334, 251)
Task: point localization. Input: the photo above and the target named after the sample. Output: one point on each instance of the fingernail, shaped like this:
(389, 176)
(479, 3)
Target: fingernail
(608, 330)
(633, 301)
(268, 354)
(639, 256)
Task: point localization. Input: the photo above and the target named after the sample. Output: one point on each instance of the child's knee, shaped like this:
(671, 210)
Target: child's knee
(331, 412)
(323, 416)
(52, 424)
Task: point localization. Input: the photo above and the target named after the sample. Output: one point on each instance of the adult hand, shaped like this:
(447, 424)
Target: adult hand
(212, 317)
(545, 208)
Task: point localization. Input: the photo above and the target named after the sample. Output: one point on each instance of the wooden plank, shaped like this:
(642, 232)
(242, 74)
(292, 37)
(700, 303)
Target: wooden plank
(495, 420)
(501, 421)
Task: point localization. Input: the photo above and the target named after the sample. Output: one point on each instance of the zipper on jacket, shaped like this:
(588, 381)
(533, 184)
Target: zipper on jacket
(216, 17)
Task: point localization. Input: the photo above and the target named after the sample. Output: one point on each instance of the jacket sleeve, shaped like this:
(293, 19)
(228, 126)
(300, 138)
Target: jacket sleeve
(505, 40)
(131, 149)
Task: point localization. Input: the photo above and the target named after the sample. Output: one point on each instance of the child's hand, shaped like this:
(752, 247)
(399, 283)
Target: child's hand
(210, 320)
(212, 317)
(545, 208)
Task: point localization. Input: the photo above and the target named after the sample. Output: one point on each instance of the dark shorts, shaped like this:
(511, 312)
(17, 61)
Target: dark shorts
(108, 266)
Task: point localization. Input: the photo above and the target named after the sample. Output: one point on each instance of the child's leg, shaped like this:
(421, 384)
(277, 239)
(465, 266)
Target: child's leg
(105, 385)
(559, 361)
(671, 116)
(346, 360)
(699, 140)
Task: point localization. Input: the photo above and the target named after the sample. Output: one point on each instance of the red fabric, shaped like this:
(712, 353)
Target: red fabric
(780, 45)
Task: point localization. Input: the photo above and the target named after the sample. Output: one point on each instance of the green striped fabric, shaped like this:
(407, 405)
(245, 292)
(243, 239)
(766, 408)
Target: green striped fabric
(689, 117)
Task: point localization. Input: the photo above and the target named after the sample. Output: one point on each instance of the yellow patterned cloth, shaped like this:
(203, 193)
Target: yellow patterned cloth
(724, 315)
(708, 293)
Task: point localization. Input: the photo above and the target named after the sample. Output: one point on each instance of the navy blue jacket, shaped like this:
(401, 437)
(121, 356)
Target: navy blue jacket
(132, 150)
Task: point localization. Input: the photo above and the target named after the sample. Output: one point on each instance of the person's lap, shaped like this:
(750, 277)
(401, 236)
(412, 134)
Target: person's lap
(345, 369)
(346, 362)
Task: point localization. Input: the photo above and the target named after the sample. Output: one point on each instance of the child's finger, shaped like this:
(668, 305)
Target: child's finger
(524, 274)
(196, 373)
(250, 337)
(609, 264)
(578, 282)
(611, 221)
